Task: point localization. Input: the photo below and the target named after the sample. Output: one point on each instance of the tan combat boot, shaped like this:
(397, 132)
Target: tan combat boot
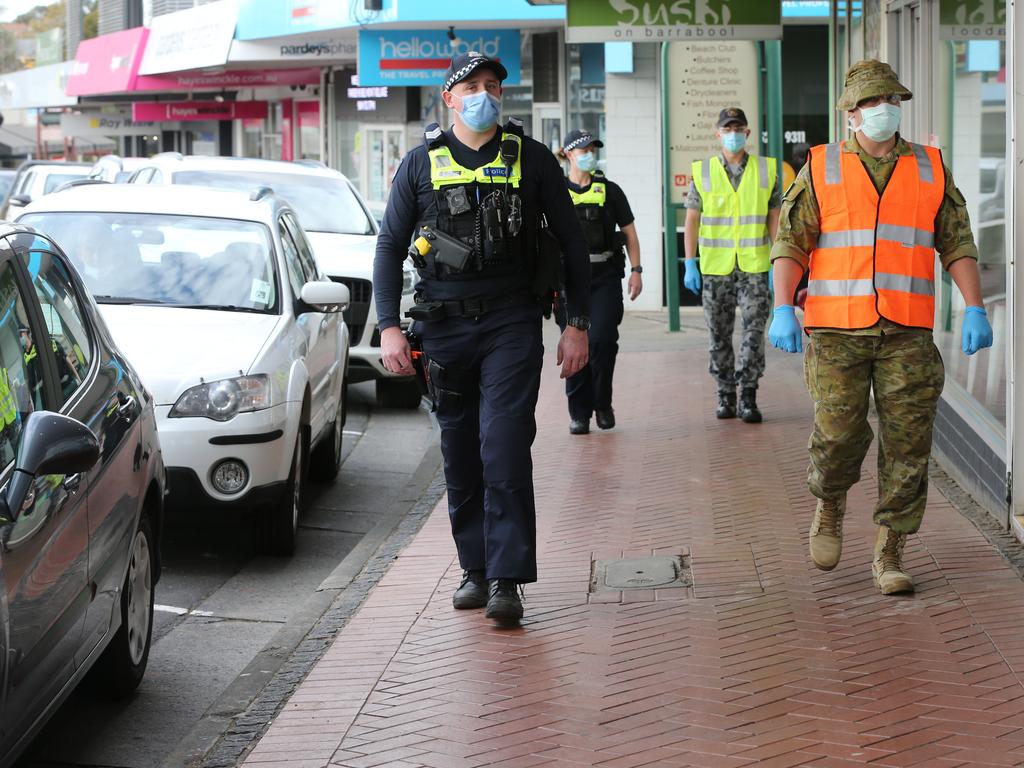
(888, 564)
(827, 533)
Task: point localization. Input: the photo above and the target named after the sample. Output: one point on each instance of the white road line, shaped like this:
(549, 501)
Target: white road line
(170, 609)
(180, 611)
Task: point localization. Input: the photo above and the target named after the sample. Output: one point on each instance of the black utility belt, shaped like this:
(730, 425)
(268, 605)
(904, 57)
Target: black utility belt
(433, 311)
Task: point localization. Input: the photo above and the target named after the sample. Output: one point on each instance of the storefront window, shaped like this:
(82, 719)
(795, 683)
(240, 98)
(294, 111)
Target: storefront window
(309, 129)
(517, 100)
(586, 88)
(979, 167)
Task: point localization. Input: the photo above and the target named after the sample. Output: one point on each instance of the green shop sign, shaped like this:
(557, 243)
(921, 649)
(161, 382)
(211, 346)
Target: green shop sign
(972, 19)
(638, 21)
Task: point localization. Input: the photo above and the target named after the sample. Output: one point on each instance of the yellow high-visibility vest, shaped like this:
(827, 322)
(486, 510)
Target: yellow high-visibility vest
(734, 222)
(8, 408)
(444, 170)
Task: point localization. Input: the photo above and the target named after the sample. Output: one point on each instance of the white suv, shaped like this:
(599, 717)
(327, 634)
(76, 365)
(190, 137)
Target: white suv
(343, 234)
(217, 301)
(37, 178)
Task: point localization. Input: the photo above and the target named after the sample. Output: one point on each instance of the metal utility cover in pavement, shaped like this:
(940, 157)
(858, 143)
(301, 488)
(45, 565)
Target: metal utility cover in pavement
(640, 573)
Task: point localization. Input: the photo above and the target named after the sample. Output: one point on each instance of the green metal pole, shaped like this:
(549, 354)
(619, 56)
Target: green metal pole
(833, 135)
(773, 61)
(671, 245)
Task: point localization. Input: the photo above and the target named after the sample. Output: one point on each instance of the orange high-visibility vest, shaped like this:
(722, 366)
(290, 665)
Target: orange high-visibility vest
(875, 256)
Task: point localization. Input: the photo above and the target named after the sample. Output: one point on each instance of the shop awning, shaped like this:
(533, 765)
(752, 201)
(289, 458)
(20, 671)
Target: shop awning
(17, 140)
(108, 63)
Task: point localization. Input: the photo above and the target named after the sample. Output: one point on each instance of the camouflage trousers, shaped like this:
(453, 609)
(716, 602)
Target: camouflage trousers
(905, 373)
(720, 296)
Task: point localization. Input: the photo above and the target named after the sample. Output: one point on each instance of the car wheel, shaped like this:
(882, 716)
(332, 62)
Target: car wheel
(399, 393)
(282, 522)
(325, 459)
(119, 670)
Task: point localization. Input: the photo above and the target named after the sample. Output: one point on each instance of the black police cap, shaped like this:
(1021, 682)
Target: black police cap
(464, 64)
(577, 138)
(731, 115)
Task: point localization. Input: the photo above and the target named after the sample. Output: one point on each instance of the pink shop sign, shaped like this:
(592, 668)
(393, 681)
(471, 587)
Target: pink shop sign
(178, 81)
(159, 111)
(107, 64)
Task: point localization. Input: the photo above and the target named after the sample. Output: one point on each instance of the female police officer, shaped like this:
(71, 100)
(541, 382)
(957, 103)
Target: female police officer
(472, 197)
(601, 207)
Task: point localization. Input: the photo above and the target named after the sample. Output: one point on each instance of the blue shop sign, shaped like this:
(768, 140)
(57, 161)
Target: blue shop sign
(421, 57)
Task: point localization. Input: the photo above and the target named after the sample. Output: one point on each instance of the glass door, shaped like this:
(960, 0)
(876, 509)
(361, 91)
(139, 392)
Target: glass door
(547, 125)
(384, 150)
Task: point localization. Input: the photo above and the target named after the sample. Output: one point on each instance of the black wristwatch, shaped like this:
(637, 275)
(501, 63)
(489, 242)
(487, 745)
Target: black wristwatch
(638, 269)
(581, 322)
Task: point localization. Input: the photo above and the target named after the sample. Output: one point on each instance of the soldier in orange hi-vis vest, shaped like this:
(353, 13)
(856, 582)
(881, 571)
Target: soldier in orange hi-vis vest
(865, 218)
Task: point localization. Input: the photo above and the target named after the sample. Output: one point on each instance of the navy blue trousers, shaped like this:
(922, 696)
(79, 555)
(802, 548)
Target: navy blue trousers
(591, 389)
(486, 436)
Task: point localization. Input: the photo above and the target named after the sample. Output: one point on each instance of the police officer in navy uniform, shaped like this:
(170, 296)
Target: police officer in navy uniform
(471, 200)
(607, 223)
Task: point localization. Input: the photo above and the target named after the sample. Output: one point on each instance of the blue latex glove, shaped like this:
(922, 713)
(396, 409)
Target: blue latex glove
(785, 333)
(976, 332)
(691, 280)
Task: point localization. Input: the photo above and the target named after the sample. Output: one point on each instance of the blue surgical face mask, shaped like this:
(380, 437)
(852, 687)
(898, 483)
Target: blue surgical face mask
(480, 111)
(586, 161)
(879, 123)
(733, 142)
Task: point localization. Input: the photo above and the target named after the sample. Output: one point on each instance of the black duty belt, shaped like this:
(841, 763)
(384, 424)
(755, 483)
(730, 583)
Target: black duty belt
(429, 311)
(477, 307)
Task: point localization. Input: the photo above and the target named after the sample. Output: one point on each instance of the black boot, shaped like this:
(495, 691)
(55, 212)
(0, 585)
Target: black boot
(748, 407)
(726, 405)
(606, 419)
(579, 426)
(504, 603)
(472, 592)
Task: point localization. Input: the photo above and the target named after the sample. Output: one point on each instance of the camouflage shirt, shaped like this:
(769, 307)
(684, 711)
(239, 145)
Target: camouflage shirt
(799, 226)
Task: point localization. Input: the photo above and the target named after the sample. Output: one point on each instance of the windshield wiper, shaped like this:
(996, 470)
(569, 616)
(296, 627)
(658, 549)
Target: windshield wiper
(106, 299)
(222, 307)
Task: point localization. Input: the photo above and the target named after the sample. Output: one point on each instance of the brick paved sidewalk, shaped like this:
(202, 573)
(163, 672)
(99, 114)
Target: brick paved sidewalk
(765, 661)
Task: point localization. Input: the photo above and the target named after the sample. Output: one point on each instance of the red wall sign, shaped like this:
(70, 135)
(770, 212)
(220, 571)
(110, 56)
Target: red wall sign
(157, 111)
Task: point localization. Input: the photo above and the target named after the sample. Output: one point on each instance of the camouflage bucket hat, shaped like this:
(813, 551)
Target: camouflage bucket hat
(867, 79)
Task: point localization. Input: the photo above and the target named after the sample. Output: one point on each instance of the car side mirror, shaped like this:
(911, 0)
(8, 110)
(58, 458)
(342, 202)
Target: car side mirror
(325, 296)
(51, 444)
(21, 200)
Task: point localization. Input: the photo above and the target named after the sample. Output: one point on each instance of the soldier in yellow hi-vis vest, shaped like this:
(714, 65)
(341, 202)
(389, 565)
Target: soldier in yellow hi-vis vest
(732, 215)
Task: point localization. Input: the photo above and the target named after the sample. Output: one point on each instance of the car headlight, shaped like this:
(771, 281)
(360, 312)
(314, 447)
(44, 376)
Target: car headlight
(408, 277)
(225, 399)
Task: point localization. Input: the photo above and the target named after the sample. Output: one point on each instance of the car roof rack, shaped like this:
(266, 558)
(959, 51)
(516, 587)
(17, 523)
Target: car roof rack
(80, 183)
(310, 162)
(260, 192)
(172, 155)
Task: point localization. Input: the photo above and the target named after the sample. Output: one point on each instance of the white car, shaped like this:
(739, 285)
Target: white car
(343, 234)
(116, 169)
(216, 299)
(37, 178)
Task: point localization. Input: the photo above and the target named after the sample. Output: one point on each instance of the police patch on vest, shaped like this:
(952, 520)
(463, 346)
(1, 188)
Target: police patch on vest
(495, 171)
(442, 161)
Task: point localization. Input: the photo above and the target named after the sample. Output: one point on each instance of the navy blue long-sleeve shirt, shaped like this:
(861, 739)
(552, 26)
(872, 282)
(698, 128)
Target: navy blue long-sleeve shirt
(412, 200)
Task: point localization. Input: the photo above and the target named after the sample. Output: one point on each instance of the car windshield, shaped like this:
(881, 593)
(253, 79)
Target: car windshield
(54, 180)
(6, 180)
(323, 204)
(184, 261)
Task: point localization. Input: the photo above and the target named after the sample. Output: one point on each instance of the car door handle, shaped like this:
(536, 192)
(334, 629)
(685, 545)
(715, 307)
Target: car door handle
(72, 482)
(127, 405)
